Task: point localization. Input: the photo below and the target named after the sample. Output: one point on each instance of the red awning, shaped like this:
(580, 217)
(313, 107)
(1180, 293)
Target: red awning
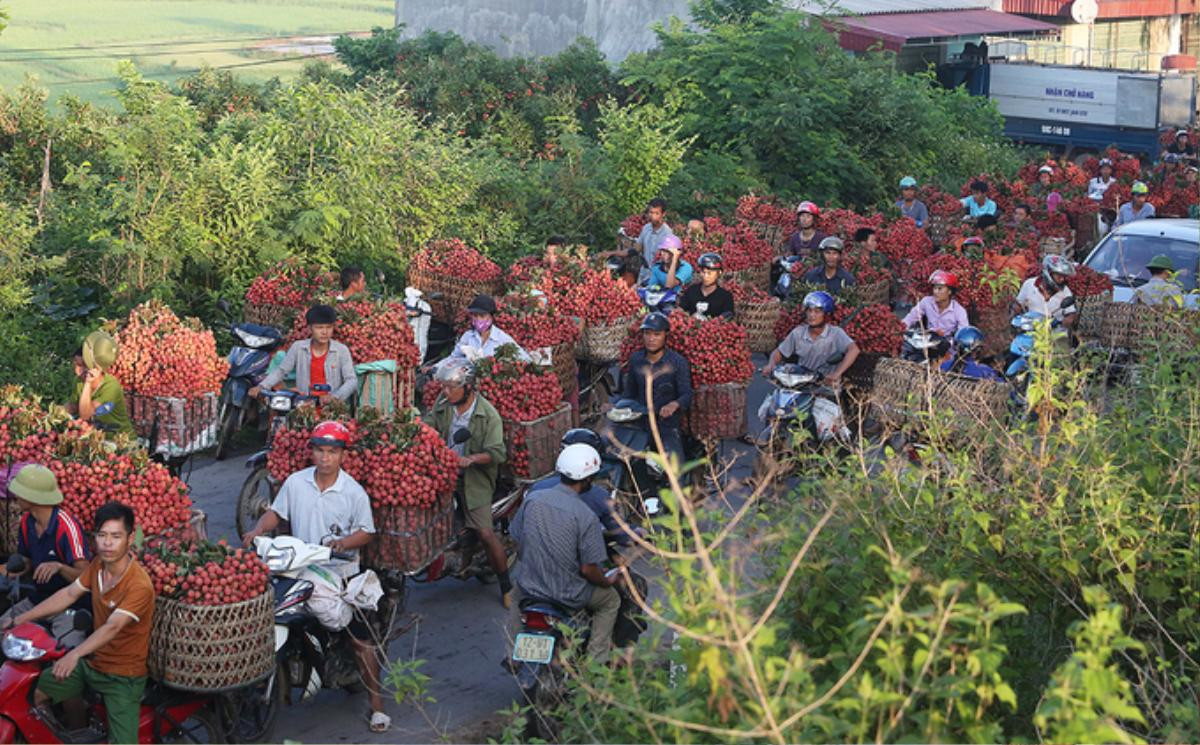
(860, 33)
(1108, 8)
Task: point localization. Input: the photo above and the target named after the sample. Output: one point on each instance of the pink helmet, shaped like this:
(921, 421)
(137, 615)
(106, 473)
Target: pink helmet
(671, 243)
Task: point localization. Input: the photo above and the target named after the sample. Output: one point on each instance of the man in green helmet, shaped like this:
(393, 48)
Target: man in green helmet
(1160, 290)
(99, 396)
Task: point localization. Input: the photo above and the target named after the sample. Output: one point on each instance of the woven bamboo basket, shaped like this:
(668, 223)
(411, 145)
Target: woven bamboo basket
(904, 389)
(178, 426)
(1118, 326)
(456, 293)
(1139, 327)
(533, 446)
(861, 375)
(875, 292)
(601, 343)
(755, 276)
(1057, 245)
(938, 228)
(566, 369)
(1091, 314)
(759, 320)
(281, 317)
(717, 412)
(995, 325)
(10, 525)
(408, 538)
(212, 648)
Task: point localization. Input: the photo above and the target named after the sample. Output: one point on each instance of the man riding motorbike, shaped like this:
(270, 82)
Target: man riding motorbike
(708, 299)
(597, 498)
(52, 542)
(816, 345)
(807, 238)
(325, 506)
(1048, 292)
(318, 360)
(562, 548)
(482, 339)
(99, 397)
(967, 342)
(112, 661)
(670, 270)
(670, 378)
(460, 407)
(831, 274)
(1136, 209)
(939, 312)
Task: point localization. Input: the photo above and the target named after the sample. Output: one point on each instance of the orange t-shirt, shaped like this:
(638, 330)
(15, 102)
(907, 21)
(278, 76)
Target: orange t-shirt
(316, 371)
(133, 595)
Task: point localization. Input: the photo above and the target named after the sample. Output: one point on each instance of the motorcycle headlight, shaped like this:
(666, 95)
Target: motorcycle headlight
(621, 415)
(21, 649)
(280, 403)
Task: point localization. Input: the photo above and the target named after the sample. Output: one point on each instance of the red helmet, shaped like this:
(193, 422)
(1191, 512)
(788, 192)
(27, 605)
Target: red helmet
(944, 278)
(334, 434)
(808, 207)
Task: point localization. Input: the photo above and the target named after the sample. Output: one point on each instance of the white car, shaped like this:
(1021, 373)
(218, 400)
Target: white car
(1124, 253)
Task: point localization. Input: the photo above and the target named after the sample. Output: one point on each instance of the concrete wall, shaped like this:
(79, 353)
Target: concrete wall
(540, 27)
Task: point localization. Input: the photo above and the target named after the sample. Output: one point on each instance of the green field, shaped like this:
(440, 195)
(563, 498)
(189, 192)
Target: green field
(73, 45)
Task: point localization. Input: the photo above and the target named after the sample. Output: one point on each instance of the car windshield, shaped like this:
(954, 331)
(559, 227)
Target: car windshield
(1123, 258)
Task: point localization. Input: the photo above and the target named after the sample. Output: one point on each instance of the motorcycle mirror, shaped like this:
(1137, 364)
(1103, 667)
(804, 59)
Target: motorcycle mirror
(82, 621)
(437, 296)
(223, 305)
(379, 276)
(460, 436)
(15, 564)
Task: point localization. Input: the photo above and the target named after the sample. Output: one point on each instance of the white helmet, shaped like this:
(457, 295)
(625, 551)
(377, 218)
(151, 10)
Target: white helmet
(578, 461)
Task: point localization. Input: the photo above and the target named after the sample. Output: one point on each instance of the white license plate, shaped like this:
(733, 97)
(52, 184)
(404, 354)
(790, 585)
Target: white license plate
(534, 648)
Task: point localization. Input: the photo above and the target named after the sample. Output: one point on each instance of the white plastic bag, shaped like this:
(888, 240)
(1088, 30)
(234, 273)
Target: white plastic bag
(363, 591)
(828, 417)
(327, 604)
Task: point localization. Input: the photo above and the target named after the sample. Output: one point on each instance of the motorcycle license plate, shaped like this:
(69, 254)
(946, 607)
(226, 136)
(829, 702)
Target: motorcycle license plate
(533, 648)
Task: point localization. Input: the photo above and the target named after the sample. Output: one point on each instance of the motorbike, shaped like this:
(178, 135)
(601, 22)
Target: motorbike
(659, 299)
(783, 275)
(799, 401)
(638, 480)
(924, 346)
(463, 557)
(540, 644)
(249, 359)
(309, 656)
(166, 715)
(1022, 347)
(259, 488)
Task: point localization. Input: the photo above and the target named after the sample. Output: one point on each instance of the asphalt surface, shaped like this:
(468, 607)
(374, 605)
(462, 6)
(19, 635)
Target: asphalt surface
(459, 630)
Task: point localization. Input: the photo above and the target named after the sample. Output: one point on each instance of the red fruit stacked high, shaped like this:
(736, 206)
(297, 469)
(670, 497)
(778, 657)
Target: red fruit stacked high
(373, 331)
(290, 284)
(204, 573)
(160, 355)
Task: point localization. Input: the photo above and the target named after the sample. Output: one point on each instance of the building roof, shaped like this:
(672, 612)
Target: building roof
(860, 33)
(873, 7)
(1108, 8)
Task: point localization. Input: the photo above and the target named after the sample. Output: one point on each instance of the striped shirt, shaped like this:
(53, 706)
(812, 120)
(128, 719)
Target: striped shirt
(557, 534)
(62, 542)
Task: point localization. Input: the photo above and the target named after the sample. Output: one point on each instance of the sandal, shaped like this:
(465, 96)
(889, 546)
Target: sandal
(380, 722)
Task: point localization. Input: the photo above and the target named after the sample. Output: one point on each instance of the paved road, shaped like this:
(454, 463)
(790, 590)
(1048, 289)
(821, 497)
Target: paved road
(460, 634)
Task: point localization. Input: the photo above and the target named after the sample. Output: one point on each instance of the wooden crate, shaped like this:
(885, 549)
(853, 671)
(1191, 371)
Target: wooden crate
(533, 446)
(174, 426)
(408, 538)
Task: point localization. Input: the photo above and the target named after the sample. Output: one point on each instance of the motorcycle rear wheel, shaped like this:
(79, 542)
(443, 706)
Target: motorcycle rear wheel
(249, 714)
(229, 418)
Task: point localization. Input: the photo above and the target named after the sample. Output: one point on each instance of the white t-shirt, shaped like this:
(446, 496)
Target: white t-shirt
(319, 517)
(1060, 304)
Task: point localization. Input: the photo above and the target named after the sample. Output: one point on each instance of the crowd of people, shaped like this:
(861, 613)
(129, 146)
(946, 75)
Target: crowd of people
(566, 520)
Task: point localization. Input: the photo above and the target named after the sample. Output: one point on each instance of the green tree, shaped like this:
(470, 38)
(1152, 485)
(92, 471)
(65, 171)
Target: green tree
(644, 150)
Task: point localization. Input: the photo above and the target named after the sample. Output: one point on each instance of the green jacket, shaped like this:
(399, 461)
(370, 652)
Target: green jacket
(487, 436)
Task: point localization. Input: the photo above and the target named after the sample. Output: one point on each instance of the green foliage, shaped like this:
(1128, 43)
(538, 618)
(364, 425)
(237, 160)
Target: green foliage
(644, 150)
(774, 90)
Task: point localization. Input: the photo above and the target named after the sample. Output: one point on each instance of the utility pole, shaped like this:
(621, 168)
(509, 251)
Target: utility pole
(399, 23)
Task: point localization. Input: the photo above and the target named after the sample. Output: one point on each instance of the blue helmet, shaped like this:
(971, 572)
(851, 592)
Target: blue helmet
(656, 322)
(908, 182)
(822, 300)
(968, 339)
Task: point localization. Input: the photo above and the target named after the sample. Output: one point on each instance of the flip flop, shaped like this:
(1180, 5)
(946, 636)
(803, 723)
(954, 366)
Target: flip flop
(380, 722)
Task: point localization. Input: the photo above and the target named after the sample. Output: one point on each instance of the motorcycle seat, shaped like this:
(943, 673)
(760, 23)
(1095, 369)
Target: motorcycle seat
(546, 607)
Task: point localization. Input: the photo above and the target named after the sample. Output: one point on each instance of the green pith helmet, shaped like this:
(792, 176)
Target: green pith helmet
(99, 350)
(1162, 261)
(36, 484)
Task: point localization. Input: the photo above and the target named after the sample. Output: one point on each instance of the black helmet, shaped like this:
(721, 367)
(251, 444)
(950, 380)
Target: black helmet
(482, 304)
(656, 322)
(711, 261)
(585, 436)
(320, 314)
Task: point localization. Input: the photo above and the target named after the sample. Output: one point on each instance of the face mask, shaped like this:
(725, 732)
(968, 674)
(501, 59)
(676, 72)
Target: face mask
(481, 324)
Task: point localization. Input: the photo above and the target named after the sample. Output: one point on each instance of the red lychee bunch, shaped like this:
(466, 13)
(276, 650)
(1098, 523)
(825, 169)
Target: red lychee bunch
(291, 284)
(160, 355)
(204, 573)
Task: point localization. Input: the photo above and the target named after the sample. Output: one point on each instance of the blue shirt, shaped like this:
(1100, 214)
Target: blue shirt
(672, 382)
(1126, 215)
(841, 279)
(658, 274)
(975, 210)
(917, 211)
(62, 542)
(597, 501)
(972, 369)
